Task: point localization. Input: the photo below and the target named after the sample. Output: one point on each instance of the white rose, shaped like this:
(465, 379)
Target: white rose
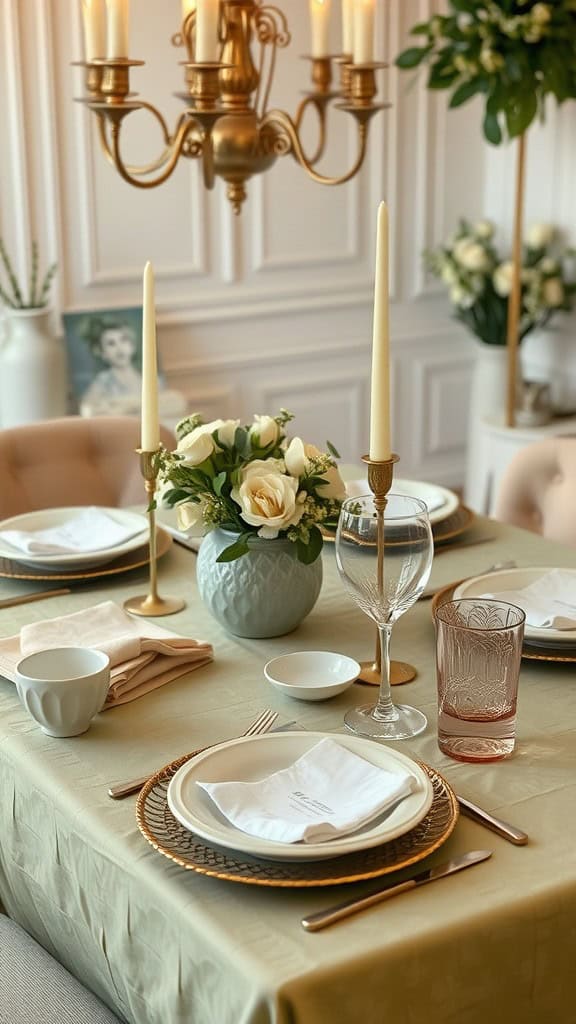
(548, 265)
(502, 279)
(539, 236)
(484, 229)
(448, 274)
(541, 13)
(471, 255)
(190, 514)
(461, 297)
(198, 445)
(265, 430)
(263, 466)
(298, 459)
(553, 292)
(269, 500)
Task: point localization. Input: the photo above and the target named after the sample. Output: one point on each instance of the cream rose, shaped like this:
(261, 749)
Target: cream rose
(471, 255)
(502, 279)
(190, 514)
(539, 236)
(265, 430)
(484, 229)
(268, 499)
(198, 445)
(298, 459)
(553, 292)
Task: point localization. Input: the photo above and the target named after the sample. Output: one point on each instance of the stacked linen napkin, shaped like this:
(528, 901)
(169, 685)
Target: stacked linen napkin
(548, 602)
(91, 529)
(143, 656)
(326, 793)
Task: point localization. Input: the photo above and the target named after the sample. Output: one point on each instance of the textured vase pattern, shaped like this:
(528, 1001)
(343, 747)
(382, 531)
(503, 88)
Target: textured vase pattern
(265, 593)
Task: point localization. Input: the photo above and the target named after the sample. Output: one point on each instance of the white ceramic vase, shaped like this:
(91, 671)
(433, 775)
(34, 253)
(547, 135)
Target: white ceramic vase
(33, 384)
(489, 384)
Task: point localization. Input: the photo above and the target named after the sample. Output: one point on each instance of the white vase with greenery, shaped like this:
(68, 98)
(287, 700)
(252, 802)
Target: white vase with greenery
(32, 360)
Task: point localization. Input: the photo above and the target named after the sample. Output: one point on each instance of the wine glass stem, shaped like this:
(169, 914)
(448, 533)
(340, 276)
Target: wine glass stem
(384, 709)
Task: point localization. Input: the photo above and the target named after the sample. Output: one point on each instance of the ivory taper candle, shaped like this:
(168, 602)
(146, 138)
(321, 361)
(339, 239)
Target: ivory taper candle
(347, 26)
(94, 19)
(150, 438)
(187, 7)
(117, 28)
(380, 385)
(207, 43)
(363, 46)
(320, 26)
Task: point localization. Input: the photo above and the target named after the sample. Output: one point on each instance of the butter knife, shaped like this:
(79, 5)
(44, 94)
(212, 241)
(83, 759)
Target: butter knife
(501, 828)
(315, 922)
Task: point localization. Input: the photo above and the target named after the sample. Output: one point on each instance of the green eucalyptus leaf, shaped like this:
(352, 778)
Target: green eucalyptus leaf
(234, 551)
(412, 57)
(492, 129)
(466, 91)
(308, 553)
(218, 483)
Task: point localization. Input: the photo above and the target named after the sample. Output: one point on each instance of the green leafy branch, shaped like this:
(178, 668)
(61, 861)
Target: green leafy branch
(12, 294)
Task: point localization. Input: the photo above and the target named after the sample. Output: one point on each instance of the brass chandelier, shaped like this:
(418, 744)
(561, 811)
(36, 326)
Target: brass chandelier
(227, 124)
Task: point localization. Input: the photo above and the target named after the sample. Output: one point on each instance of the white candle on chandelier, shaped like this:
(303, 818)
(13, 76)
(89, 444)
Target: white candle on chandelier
(94, 28)
(150, 438)
(347, 26)
(117, 28)
(363, 47)
(320, 25)
(207, 17)
(187, 7)
(380, 384)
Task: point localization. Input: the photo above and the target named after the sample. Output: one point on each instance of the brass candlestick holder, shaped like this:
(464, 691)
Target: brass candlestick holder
(380, 475)
(152, 604)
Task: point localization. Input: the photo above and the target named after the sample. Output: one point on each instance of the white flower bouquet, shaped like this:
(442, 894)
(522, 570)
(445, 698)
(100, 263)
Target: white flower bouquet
(252, 480)
(479, 280)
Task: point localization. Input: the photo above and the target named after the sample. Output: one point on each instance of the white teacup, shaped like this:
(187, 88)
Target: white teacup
(63, 688)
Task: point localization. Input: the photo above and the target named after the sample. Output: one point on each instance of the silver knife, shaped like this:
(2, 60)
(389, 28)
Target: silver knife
(315, 922)
(501, 828)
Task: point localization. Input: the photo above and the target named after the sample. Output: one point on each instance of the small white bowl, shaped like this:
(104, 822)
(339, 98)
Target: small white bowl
(312, 675)
(63, 688)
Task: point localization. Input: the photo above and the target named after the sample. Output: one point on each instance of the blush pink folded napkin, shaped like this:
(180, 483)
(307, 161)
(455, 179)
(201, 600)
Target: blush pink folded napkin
(143, 656)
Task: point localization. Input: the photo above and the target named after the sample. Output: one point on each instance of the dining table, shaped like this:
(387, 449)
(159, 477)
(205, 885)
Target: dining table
(164, 945)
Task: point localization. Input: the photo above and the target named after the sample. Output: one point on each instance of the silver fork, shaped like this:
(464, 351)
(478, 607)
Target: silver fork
(263, 723)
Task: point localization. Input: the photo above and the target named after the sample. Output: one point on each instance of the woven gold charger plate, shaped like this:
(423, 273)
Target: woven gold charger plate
(13, 570)
(159, 826)
(531, 652)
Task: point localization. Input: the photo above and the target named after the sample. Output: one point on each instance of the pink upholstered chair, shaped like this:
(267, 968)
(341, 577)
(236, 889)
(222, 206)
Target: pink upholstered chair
(72, 461)
(538, 489)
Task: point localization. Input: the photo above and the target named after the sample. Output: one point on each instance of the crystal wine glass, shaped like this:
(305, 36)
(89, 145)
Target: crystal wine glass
(384, 589)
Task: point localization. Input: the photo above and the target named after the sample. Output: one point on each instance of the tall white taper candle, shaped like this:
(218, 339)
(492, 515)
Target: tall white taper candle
(380, 385)
(117, 28)
(320, 26)
(207, 44)
(363, 47)
(347, 26)
(94, 28)
(150, 438)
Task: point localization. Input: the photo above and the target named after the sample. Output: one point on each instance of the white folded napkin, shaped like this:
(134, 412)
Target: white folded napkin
(326, 793)
(354, 488)
(548, 602)
(92, 529)
(143, 656)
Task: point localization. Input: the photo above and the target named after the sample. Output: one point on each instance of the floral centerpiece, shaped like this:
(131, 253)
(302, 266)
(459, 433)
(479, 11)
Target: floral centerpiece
(479, 280)
(252, 481)
(512, 53)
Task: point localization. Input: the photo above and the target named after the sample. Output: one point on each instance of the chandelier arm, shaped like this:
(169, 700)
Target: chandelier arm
(280, 120)
(320, 108)
(185, 126)
(132, 168)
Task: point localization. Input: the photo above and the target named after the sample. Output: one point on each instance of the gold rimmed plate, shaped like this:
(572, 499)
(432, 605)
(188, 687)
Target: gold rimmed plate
(140, 556)
(446, 530)
(162, 830)
(530, 652)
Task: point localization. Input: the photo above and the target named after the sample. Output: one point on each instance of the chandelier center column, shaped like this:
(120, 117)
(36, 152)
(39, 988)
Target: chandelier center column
(241, 78)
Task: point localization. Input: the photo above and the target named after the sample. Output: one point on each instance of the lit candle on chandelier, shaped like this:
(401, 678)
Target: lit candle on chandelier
(380, 449)
(117, 28)
(347, 26)
(320, 25)
(150, 437)
(207, 43)
(94, 21)
(363, 50)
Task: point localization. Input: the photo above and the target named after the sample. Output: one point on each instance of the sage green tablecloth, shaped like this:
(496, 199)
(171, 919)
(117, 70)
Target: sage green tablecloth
(165, 946)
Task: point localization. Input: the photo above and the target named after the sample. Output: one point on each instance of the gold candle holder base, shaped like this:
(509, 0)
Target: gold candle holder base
(380, 475)
(152, 604)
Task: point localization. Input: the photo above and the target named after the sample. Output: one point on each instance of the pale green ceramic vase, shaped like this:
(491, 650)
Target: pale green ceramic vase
(265, 593)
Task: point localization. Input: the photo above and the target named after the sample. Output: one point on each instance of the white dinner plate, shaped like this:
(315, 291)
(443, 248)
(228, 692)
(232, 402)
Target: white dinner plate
(254, 757)
(515, 579)
(44, 519)
(440, 501)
